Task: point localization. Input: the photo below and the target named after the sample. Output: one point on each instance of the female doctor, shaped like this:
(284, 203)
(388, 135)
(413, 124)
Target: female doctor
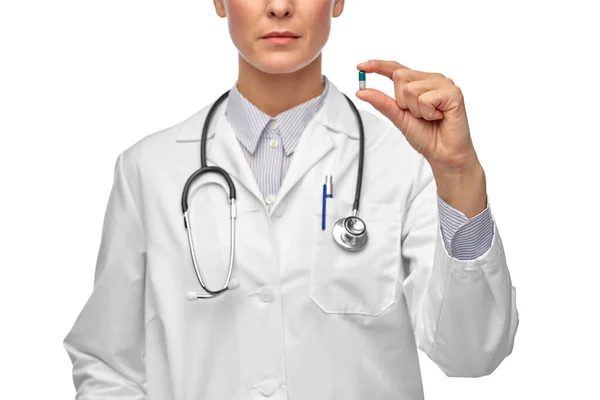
(301, 316)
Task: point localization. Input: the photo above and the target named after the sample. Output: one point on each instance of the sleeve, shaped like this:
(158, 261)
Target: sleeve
(463, 312)
(465, 239)
(106, 343)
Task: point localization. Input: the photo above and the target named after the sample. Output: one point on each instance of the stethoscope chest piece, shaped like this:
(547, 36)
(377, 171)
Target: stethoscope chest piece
(350, 233)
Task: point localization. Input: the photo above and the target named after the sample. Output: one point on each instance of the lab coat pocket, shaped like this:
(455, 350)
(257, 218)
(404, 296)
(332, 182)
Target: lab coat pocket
(362, 282)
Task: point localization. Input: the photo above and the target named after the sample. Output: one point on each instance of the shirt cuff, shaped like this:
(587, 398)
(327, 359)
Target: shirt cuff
(465, 239)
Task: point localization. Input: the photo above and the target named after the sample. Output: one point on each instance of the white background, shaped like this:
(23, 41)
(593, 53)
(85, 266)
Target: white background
(82, 80)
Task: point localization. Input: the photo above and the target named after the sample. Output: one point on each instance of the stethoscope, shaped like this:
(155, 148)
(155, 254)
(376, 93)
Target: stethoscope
(349, 232)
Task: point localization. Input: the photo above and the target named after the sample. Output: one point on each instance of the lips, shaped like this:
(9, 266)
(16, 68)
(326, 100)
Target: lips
(281, 34)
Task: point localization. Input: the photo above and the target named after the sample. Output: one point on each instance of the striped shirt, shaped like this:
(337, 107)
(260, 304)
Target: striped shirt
(268, 144)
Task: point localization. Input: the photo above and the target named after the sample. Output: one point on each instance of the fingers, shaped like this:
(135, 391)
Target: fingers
(411, 95)
(410, 89)
(443, 99)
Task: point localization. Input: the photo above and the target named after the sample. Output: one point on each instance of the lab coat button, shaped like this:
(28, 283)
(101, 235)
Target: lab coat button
(274, 142)
(267, 388)
(270, 199)
(266, 295)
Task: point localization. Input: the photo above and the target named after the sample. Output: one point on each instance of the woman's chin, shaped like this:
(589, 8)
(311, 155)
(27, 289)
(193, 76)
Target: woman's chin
(281, 63)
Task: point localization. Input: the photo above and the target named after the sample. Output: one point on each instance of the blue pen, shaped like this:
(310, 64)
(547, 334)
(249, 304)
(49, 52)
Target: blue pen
(324, 207)
(327, 192)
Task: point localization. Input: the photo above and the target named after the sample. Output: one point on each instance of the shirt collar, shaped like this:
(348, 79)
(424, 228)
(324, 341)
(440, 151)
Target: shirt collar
(249, 122)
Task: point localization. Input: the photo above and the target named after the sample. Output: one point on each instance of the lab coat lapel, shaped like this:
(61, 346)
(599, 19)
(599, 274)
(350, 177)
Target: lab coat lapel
(314, 144)
(317, 139)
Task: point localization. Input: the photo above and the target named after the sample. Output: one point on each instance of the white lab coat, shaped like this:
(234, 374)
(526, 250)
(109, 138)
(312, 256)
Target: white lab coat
(309, 320)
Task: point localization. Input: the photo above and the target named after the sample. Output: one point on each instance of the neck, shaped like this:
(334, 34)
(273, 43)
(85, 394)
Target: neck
(276, 93)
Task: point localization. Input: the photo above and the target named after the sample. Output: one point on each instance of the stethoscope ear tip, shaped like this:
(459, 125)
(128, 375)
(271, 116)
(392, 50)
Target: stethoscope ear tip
(191, 295)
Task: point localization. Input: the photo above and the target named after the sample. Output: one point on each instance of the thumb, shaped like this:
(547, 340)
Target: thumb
(382, 103)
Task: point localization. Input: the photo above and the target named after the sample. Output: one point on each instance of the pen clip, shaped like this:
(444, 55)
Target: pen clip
(329, 183)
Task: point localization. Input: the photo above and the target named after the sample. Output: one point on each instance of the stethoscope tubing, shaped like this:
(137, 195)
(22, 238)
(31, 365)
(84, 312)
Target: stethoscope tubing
(204, 169)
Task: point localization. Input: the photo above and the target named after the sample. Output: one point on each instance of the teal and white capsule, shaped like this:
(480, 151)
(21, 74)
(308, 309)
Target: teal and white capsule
(362, 80)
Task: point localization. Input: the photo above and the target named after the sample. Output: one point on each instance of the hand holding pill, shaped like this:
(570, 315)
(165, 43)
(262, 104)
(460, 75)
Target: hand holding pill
(428, 109)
